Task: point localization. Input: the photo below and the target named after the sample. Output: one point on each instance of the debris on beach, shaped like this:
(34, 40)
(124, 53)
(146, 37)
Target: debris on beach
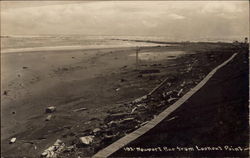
(141, 105)
(48, 118)
(179, 93)
(117, 89)
(54, 150)
(69, 149)
(133, 110)
(125, 123)
(189, 68)
(126, 120)
(144, 123)
(162, 103)
(183, 84)
(50, 109)
(96, 130)
(80, 109)
(88, 122)
(164, 95)
(171, 99)
(169, 93)
(139, 100)
(174, 94)
(119, 123)
(12, 140)
(112, 123)
(109, 137)
(116, 116)
(128, 115)
(86, 140)
(25, 67)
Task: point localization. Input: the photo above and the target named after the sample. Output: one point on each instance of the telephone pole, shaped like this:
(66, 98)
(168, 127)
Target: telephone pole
(137, 57)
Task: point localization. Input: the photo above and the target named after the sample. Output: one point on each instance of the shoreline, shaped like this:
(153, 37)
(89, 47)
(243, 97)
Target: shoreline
(75, 47)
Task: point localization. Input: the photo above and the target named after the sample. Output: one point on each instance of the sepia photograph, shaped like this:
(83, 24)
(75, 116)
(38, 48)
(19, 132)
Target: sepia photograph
(124, 79)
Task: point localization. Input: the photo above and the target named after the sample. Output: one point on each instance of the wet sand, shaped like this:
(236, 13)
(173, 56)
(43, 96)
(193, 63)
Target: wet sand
(36, 80)
(99, 80)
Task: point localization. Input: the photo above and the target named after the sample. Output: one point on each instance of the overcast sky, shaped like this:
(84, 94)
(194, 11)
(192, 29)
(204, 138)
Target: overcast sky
(186, 19)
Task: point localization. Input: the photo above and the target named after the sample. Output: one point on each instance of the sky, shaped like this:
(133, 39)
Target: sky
(176, 19)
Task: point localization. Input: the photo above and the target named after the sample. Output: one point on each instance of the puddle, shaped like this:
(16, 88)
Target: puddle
(154, 56)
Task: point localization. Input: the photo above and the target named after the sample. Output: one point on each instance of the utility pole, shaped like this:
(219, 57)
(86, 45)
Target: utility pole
(137, 57)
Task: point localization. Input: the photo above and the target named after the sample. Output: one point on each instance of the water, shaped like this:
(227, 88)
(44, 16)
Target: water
(29, 43)
(155, 56)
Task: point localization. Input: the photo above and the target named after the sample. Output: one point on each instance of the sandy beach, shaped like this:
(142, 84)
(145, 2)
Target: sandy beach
(101, 80)
(40, 79)
(67, 80)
